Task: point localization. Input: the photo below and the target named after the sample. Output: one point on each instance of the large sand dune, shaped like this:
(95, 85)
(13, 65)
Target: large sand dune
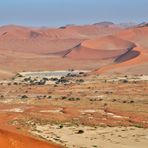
(107, 43)
(27, 49)
(129, 63)
(134, 61)
(138, 35)
(44, 40)
(83, 47)
(108, 47)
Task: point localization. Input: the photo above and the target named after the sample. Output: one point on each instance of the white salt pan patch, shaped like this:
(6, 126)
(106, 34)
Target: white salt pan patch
(17, 110)
(52, 111)
(116, 116)
(88, 111)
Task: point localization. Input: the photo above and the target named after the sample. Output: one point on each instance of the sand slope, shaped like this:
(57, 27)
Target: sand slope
(13, 140)
(134, 61)
(107, 43)
(83, 47)
(108, 47)
(126, 62)
(138, 35)
(44, 40)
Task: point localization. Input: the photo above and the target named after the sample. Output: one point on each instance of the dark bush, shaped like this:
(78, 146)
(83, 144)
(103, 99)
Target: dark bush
(54, 79)
(24, 97)
(80, 132)
(64, 97)
(80, 81)
(49, 97)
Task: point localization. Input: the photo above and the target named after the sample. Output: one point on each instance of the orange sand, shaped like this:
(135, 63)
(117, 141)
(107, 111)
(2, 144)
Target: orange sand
(13, 140)
(141, 59)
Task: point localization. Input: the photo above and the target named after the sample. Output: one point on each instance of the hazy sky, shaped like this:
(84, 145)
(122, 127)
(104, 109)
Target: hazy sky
(61, 12)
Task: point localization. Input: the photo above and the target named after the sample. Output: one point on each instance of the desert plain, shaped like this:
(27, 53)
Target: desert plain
(74, 86)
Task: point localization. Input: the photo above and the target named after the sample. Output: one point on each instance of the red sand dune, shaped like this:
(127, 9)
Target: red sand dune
(44, 40)
(134, 61)
(140, 59)
(108, 47)
(16, 38)
(89, 31)
(10, 137)
(139, 35)
(107, 43)
(84, 47)
(37, 43)
(13, 140)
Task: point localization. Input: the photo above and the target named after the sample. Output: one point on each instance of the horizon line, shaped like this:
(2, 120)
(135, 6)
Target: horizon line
(69, 24)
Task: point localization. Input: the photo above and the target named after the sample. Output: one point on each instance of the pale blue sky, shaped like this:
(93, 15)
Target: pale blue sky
(62, 12)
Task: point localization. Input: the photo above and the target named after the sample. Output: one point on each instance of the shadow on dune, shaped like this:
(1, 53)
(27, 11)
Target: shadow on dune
(130, 54)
